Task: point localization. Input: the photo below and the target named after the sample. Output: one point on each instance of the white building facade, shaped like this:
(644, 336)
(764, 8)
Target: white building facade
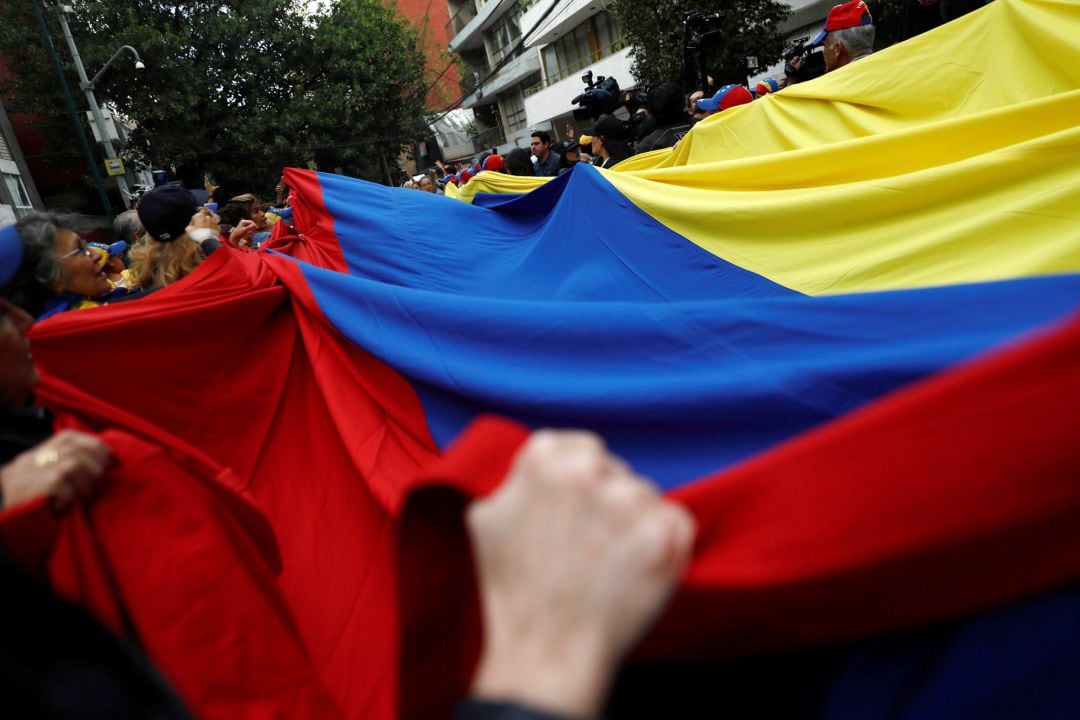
(571, 38)
(18, 195)
(495, 66)
(520, 87)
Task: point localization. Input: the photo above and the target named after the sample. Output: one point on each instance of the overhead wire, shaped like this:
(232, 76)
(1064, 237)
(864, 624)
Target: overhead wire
(510, 55)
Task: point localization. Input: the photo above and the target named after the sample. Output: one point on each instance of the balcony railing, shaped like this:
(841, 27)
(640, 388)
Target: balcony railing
(462, 17)
(488, 139)
(575, 68)
(470, 75)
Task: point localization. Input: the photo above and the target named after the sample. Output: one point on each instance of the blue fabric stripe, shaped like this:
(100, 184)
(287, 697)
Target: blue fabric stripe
(1021, 661)
(1016, 662)
(575, 237)
(490, 200)
(680, 388)
(568, 307)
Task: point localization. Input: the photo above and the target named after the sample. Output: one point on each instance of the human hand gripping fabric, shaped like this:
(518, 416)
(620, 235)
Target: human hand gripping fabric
(67, 467)
(203, 226)
(576, 556)
(243, 232)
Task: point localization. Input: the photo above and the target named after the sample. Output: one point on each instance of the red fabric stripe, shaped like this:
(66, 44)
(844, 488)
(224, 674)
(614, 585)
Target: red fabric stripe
(951, 496)
(945, 498)
(319, 244)
(167, 551)
(235, 372)
(942, 499)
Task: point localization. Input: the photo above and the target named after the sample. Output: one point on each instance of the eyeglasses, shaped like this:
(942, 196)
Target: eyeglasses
(82, 249)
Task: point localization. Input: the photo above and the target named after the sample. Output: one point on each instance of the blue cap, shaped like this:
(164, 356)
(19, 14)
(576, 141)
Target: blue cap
(726, 97)
(11, 253)
(115, 249)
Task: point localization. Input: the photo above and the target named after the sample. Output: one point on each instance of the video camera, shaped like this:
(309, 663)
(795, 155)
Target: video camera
(699, 30)
(811, 62)
(600, 97)
(702, 34)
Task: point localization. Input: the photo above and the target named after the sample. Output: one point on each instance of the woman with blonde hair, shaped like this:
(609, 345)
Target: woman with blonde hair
(179, 236)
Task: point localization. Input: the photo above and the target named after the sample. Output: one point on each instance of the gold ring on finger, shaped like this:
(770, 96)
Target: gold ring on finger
(46, 457)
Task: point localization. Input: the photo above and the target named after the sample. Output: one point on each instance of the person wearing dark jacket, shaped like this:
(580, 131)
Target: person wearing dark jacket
(610, 141)
(667, 121)
(56, 661)
(567, 151)
(547, 162)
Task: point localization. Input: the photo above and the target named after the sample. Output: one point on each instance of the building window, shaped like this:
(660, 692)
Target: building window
(513, 104)
(489, 126)
(18, 194)
(596, 38)
(5, 152)
(505, 37)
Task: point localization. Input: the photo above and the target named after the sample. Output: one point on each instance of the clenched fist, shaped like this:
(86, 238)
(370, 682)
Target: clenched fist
(66, 467)
(576, 556)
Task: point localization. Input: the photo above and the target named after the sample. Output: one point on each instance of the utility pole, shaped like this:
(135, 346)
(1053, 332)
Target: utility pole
(87, 86)
(79, 130)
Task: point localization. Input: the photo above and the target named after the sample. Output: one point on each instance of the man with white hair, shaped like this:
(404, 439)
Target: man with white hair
(128, 227)
(848, 34)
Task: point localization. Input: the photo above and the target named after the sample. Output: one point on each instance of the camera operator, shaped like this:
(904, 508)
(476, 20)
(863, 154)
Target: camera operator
(610, 141)
(802, 62)
(567, 152)
(666, 122)
(848, 34)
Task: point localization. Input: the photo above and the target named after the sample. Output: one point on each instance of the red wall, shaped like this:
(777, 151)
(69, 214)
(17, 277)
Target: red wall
(431, 19)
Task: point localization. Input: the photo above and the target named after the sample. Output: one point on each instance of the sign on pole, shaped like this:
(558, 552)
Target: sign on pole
(110, 126)
(114, 166)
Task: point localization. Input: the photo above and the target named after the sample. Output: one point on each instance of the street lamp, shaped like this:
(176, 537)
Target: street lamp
(87, 86)
(138, 65)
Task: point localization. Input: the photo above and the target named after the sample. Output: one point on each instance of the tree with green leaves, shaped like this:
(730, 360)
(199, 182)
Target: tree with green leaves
(737, 29)
(238, 88)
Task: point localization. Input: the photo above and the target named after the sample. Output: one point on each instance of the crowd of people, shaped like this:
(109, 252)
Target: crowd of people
(666, 115)
(618, 537)
(567, 504)
(660, 123)
(166, 236)
(170, 232)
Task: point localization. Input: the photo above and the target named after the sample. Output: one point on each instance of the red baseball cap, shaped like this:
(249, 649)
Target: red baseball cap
(766, 86)
(844, 16)
(726, 97)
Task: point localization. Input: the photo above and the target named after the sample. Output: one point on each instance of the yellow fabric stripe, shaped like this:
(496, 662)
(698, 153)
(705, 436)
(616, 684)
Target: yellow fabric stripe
(953, 157)
(496, 182)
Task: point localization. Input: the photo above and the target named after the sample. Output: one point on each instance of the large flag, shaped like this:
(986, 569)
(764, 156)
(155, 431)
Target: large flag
(840, 324)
